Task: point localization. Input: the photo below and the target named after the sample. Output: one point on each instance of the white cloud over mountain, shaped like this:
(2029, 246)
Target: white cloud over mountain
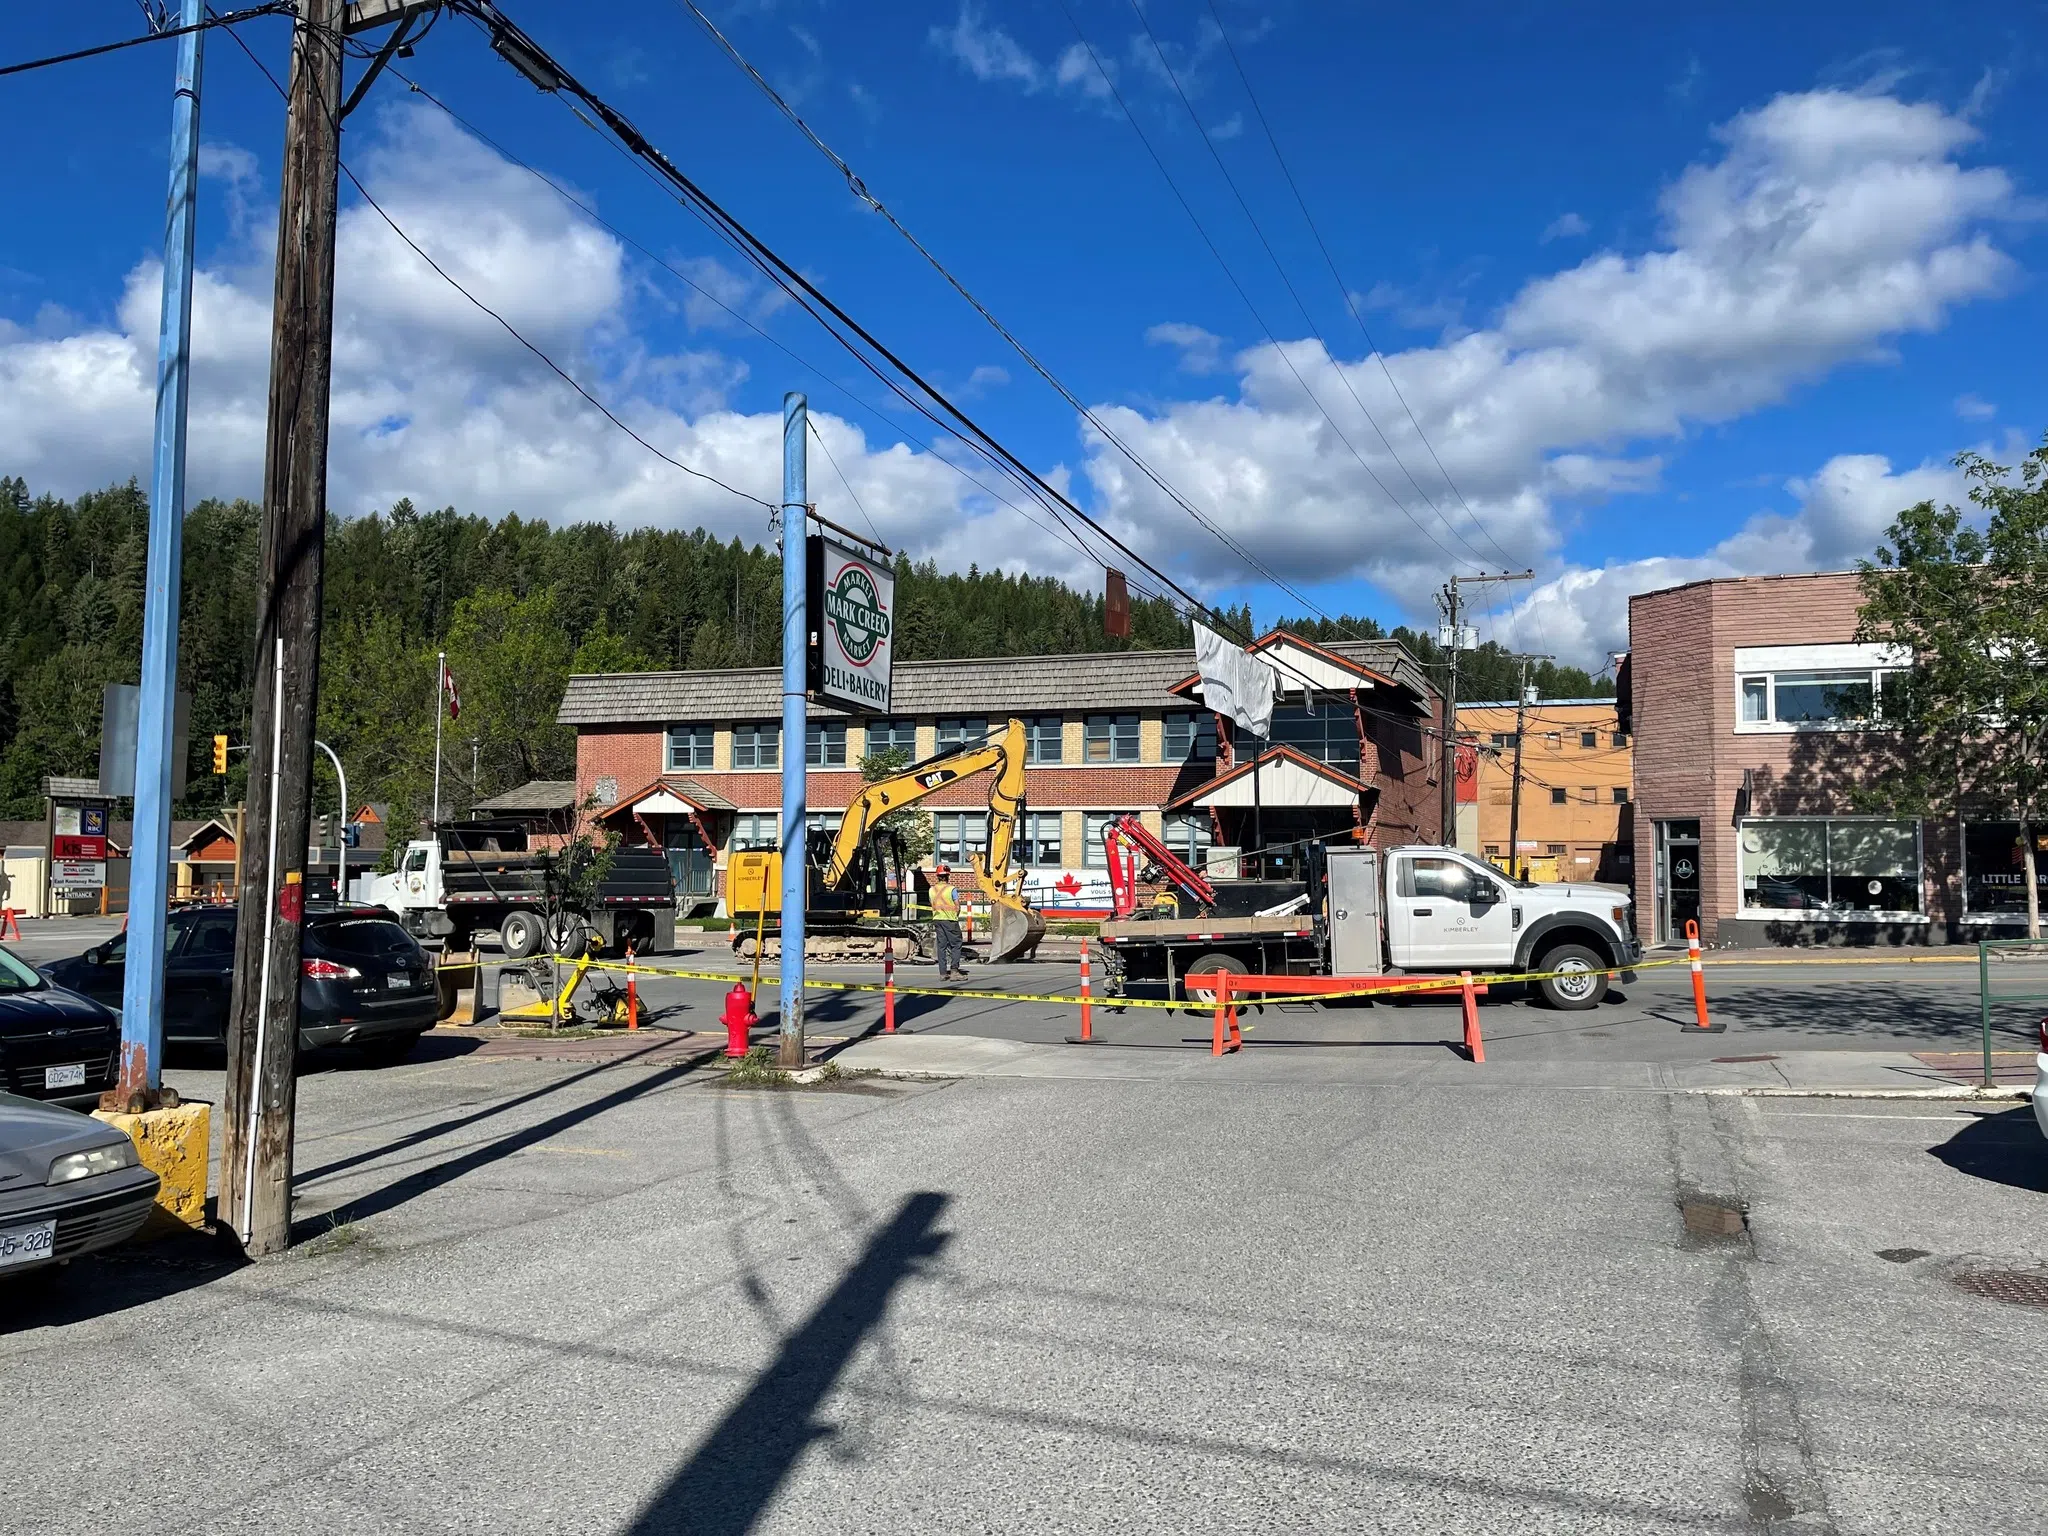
(1826, 226)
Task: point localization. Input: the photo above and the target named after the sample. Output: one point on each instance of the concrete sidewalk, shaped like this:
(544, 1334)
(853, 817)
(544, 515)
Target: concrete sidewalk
(1861, 1074)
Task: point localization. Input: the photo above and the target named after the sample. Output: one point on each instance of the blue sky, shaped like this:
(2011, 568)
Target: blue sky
(1667, 296)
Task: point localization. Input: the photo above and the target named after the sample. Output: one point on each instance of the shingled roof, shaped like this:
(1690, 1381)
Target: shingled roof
(1101, 681)
(532, 797)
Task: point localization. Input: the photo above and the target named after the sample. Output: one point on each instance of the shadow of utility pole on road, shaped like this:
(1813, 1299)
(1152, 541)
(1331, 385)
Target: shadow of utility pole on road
(724, 1487)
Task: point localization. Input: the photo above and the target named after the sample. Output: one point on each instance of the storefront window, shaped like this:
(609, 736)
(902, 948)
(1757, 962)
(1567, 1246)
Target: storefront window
(1995, 869)
(1328, 733)
(1831, 866)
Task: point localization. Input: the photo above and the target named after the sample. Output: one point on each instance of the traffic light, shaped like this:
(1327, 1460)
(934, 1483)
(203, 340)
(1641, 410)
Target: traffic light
(351, 836)
(326, 831)
(220, 754)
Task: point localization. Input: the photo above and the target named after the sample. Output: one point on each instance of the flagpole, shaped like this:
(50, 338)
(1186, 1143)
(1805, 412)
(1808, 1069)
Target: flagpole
(440, 688)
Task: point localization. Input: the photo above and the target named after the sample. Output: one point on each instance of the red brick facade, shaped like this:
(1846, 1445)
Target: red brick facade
(1691, 761)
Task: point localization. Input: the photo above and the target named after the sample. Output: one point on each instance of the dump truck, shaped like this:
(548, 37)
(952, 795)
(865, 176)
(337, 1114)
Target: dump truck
(1362, 911)
(475, 877)
(862, 894)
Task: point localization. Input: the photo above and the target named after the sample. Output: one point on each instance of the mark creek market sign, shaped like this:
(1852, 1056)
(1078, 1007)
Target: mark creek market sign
(853, 601)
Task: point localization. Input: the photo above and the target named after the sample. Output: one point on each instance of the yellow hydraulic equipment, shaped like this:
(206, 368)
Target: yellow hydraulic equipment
(559, 993)
(861, 855)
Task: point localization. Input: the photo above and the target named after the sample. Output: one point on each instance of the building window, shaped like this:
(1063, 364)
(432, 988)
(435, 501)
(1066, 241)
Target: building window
(1190, 834)
(1493, 850)
(1506, 739)
(1554, 850)
(1620, 739)
(1112, 739)
(959, 834)
(757, 832)
(757, 746)
(893, 736)
(1044, 740)
(1810, 697)
(1557, 797)
(1328, 734)
(689, 746)
(825, 744)
(1995, 869)
(1834, 866)
(1190, 734)
(1589, 794)
(957, 731)
(1093, 825)
(1621, 794)
(1553, 740)
(1589, 738)
(1038, 840)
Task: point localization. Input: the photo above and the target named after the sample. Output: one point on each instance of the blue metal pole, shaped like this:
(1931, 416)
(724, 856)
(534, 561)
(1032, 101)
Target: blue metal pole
(795, 513)
(142, 992)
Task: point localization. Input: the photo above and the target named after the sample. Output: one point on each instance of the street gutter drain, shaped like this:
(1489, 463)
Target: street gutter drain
(2020, 1287)
(1708, 1217)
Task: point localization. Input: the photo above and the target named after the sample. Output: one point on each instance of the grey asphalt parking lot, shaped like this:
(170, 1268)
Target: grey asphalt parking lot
(553, 1297)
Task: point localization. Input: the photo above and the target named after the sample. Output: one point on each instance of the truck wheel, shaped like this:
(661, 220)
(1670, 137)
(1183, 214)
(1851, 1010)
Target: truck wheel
(1207, 965)
(520, 934)
(1581, 980)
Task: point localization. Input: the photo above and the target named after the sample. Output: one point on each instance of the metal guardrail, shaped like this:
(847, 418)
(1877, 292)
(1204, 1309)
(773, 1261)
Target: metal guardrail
(1986, 996)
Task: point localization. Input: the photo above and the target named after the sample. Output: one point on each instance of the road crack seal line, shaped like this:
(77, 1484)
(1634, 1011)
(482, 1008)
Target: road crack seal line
(1781, 1489)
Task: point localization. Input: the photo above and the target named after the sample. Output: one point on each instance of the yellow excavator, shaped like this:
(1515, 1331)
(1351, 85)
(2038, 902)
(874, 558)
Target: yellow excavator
(862, 890)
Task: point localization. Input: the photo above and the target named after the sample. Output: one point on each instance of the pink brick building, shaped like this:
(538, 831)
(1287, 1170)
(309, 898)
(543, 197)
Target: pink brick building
(1760, 762)
(690, 760)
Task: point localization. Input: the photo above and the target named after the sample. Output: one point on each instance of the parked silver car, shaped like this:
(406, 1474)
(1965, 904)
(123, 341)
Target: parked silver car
(69, 1185)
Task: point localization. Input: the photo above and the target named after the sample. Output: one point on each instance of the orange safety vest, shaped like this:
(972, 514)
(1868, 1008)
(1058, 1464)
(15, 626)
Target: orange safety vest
(945, 903)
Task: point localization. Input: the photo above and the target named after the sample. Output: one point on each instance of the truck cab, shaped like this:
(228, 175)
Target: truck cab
(415, 885)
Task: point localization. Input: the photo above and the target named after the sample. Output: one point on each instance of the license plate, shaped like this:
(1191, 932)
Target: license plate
(27, 1245)
(398, 981)
(72, 1076)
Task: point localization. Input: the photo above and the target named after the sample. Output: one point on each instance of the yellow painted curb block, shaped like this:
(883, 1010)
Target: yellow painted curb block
(174, 1144)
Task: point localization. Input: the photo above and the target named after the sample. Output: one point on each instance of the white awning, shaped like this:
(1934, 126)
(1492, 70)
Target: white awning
(1283, 783)
(663, 803)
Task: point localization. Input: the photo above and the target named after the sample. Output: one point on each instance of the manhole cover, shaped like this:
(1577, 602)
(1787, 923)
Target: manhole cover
(2021, 1287)
(1732, 1059)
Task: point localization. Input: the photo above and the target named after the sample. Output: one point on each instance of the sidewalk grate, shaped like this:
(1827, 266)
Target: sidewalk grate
(2019, 1287)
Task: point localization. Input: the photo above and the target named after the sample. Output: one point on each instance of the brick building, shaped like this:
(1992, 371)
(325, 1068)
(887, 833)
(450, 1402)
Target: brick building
(1576, 820)
(1760, 756)
(690, 761)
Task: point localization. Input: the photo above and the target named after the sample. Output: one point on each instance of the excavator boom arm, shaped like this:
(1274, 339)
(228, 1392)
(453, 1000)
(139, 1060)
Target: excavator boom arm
(1004, 753)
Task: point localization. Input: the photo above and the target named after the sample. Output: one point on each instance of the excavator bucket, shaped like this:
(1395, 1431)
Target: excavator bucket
(1016, 930)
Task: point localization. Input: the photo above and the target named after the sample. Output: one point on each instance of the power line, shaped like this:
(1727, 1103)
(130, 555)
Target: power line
(819, 438)
(859, 189)
(1202, 131)
(1330, 261)
(154, 35)
(510, 329)
(1056, 529)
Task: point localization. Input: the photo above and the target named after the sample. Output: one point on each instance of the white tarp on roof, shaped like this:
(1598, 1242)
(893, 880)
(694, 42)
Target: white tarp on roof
(1235, 684)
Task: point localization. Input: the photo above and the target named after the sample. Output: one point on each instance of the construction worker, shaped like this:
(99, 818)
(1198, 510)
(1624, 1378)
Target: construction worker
(946, 920)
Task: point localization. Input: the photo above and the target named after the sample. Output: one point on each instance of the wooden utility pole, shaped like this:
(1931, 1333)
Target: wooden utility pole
(1454, 635)
(1522, 702)
(263, 1031)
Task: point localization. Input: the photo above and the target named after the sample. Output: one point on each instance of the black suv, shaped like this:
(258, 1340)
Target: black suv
(363, 980)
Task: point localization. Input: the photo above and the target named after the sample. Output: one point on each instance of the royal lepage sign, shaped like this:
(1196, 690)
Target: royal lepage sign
(852, 624)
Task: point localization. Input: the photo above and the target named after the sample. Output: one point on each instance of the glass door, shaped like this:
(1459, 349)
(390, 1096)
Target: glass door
(1678, 878)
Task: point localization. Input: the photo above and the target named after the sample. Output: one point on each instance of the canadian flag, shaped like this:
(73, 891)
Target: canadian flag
(448, 688)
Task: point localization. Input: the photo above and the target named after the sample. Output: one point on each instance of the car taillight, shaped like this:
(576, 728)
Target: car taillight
(2044, 1037)
(328, 970)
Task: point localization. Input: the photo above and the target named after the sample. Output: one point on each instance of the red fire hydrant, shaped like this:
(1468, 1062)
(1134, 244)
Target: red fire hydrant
(738, 1019)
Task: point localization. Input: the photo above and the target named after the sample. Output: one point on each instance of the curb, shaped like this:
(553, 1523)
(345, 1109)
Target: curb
(1960, 1093)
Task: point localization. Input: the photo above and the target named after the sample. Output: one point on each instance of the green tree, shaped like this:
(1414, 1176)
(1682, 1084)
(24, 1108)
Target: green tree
(915, 827)
(1970, 714)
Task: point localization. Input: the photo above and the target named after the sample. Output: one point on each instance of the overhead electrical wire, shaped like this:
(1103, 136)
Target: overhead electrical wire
(1208, 141)
(1056, 529)
(228, 19)
(859, 189)
(510, 329)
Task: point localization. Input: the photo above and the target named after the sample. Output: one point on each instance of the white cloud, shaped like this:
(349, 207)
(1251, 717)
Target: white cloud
(987, 52)
(1829, 225)
(1078, 70)
(985, 377)
(1971, 408)
(1566, 226)
(1200, 351)
(433, 401)
(1843, 511)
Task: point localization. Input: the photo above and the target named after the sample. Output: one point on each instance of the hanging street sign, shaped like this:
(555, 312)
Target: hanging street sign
(852, 600)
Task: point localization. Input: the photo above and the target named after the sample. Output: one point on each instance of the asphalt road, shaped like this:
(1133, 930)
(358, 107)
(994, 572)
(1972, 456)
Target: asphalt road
(549, 1297)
